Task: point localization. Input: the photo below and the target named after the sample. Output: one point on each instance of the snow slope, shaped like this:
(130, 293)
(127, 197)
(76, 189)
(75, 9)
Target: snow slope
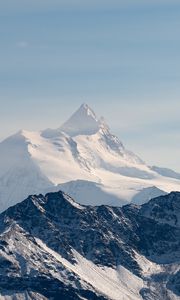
(107, 281)
(82, 150)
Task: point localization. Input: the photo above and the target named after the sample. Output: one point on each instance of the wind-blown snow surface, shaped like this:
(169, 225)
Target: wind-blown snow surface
(81, 153)
(53, 248)
(110, 282)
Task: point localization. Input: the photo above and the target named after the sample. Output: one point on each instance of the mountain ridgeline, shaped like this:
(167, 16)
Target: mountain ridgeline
(54, 248)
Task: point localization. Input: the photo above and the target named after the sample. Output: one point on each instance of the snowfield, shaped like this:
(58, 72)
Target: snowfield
(84, 159)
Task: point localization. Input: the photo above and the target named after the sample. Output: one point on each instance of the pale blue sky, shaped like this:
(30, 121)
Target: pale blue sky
(121, 57)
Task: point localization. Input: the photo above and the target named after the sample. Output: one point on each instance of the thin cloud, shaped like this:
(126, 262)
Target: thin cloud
(46, 5)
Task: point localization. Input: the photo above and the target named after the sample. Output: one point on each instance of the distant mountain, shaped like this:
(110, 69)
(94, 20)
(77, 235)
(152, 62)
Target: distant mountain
(166, 172)
(147, 194)
(81, 152)
(53, 248)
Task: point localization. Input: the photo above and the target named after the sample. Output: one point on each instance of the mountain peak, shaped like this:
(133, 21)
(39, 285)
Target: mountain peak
(83, 122)
(86, 109)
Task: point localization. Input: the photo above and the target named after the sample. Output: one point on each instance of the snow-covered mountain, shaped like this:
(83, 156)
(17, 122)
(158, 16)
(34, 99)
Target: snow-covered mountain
(83, 158)
(53, 248)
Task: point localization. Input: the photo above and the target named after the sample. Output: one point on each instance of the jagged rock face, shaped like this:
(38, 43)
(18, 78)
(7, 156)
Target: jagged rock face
(50, 245)
(165, 210)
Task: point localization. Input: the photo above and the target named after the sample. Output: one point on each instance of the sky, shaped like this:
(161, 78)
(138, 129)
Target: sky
(120, 57)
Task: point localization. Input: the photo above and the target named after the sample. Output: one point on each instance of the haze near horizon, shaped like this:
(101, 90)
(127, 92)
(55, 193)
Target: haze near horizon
(122, 58)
